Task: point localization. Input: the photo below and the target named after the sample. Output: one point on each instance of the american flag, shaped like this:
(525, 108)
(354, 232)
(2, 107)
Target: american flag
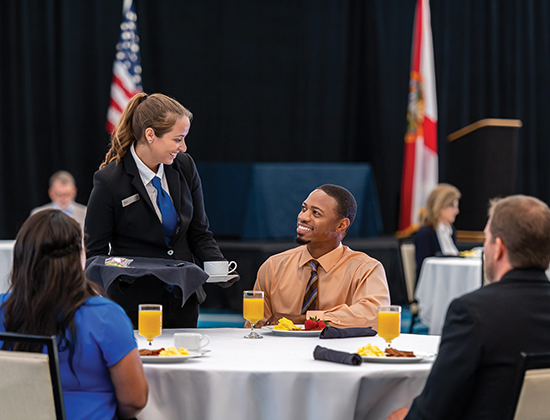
(126, 68)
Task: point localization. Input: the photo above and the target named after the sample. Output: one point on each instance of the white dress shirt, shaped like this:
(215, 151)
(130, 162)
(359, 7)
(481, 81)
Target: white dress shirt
(445, 238)
(147, 176)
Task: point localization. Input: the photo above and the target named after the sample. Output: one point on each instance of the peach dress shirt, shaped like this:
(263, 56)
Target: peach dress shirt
(351, 285)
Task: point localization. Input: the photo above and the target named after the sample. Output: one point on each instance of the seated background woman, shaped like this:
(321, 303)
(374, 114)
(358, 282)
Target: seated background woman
(101, 372)
(437, 236)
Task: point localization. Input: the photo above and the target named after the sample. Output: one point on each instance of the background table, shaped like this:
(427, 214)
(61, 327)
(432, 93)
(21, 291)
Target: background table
(260, 201)
(6, 261)
(277, 378)
(442, 280)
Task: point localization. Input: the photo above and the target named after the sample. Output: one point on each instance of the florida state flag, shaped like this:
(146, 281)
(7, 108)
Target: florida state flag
(420, 166)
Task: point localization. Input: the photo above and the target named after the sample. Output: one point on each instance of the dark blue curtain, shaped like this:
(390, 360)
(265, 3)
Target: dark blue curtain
(270, 80)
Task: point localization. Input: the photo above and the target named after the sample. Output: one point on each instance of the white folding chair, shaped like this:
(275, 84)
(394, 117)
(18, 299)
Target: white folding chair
(531, 389)
(30, 383)
(407, 254)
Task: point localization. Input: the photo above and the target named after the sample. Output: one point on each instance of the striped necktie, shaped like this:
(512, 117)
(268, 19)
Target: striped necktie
(167, 210)
(310, 296)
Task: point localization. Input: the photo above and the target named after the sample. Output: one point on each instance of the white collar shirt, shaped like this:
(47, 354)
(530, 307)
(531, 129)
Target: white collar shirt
(147, 176)
(445, 238)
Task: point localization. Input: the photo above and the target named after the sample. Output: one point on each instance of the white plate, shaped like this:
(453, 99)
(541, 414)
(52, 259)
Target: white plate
(170, 359)
(300, 333)
(418, 358)
(221, 279)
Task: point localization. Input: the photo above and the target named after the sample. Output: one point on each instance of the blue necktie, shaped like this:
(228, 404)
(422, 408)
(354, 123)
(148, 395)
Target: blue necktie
(167, 209)
(310, 296)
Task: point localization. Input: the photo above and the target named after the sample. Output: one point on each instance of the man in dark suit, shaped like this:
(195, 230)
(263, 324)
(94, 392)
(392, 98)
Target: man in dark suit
(486, 330)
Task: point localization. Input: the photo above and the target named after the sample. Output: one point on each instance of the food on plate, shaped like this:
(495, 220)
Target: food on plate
(391, 352)
(469, 253)
(315, 324)
(172, 351)
(162, 352)
(374, 351)
(370, 351)
(147, 352)
(286, 325)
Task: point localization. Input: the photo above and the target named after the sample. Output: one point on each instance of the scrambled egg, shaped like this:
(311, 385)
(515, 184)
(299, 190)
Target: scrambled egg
(286, 325)
(172, 351)
(470, 253)
(370, 351)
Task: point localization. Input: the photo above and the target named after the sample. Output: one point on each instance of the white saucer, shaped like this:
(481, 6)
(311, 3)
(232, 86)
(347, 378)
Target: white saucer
(221, 279)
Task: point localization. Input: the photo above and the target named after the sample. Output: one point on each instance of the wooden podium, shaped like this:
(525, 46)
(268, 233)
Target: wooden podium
(482, 165)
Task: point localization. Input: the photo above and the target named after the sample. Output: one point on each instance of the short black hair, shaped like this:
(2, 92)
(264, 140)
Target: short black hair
(346, 206)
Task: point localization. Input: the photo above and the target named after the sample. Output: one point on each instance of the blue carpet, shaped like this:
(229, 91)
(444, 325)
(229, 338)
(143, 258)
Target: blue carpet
(406, 318)
(219, 319)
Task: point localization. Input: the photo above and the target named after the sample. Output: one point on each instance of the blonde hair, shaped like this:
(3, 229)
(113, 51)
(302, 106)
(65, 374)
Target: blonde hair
(442, 196)
(157, 111)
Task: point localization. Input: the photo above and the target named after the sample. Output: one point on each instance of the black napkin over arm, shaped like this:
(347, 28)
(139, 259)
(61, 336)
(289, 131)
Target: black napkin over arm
(335, 332)
(329, 355)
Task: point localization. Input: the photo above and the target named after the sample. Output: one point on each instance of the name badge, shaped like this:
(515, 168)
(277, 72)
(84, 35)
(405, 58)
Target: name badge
(130, 200)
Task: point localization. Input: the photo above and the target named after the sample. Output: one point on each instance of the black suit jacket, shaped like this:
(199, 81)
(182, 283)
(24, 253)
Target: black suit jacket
(482, 338)
(134, 229)
(427, 245)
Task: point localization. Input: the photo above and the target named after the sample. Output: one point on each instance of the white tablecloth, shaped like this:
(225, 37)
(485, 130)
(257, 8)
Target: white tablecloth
(442, 280)
(6, 257)
(277, 378)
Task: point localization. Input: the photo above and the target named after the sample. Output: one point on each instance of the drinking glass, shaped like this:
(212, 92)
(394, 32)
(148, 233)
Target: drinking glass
(253, 309)
(389, 322)
(150, 321)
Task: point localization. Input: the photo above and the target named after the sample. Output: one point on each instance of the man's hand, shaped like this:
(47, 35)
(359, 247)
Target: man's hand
(398, 414)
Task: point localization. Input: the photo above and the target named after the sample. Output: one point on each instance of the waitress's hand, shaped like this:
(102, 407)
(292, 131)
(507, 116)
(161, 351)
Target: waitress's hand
(226, 284)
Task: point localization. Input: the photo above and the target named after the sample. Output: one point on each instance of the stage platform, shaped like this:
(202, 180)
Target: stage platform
(251, 254)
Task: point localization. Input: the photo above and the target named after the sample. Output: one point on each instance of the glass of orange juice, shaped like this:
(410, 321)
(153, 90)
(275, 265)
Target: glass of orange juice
(253, 309)
(150, 321)
(389, 322)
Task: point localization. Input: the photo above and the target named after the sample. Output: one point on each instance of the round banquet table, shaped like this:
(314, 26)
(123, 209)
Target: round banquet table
(442, 280)
(278, 378)
(6, 257)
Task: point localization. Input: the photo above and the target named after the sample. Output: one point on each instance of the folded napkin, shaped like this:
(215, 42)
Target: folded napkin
(334, 332)
(322, 353)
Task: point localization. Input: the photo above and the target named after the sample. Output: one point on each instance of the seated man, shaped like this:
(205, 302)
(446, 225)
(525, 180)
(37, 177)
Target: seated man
(323, 275)
(486, 330)
(62, 192)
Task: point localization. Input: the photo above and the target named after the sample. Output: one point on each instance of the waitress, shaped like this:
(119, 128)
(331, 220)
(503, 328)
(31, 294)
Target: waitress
(147, 201)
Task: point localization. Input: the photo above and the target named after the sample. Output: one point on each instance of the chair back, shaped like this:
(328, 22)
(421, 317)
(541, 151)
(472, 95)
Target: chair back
(531, 388)
(30, 383)
(408, 264)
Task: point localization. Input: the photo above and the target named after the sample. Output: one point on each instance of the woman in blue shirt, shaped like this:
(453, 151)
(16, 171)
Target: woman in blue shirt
(101, 372)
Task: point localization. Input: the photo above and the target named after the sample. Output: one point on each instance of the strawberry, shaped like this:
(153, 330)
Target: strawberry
(310, 324)
(321, 325)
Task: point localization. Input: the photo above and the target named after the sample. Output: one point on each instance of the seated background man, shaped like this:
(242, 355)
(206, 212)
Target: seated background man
(486, 330)
(323, 275)
(62, 192)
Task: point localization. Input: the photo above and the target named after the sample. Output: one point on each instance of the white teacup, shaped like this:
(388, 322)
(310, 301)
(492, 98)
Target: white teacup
(219, 268)
(191, 341)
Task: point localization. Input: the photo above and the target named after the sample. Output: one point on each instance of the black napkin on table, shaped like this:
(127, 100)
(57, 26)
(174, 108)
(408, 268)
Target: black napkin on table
(335, 332)
(322, 353)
